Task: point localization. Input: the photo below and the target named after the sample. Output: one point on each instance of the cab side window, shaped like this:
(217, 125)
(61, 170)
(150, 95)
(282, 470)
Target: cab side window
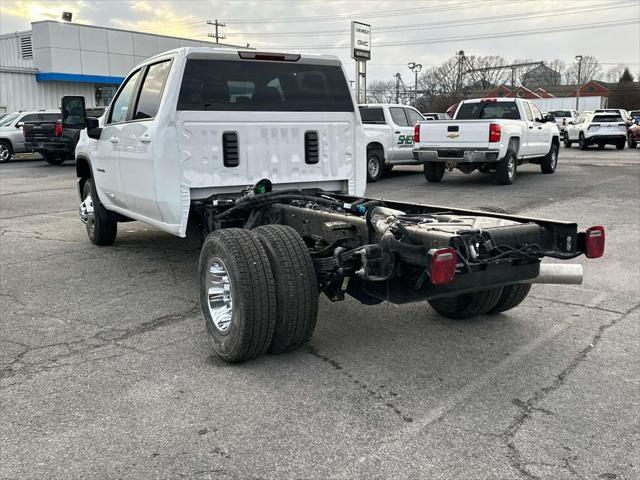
(413, 116)
(151, 91)
(120, 110)
(537, 116)
(527, 111)
(398, 116)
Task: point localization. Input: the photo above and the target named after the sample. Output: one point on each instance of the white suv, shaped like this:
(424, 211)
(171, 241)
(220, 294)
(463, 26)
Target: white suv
(597, 129)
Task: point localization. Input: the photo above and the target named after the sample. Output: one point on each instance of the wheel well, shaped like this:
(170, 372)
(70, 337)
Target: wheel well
(555, 141)
(514, 144)
(83, 171)
(8, 142)
(377, 147)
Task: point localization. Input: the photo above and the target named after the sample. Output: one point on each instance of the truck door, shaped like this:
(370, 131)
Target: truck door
(135, 164)
(539, 135)
(413, 116)
(109, 145)
(402, 134)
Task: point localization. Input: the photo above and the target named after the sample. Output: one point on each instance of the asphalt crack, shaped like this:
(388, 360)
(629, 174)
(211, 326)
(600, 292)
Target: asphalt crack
(387, 402)
(529, 406)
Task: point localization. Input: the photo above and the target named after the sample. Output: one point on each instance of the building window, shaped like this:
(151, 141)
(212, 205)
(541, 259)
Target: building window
(26, 49)
(104, 94)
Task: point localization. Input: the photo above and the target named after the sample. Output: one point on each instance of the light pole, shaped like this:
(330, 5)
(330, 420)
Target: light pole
(579, 60)
(415, 68)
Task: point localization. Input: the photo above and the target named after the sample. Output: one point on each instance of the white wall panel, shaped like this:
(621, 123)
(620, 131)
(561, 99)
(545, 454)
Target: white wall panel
(10, 51)
(144, 45)
(61, 35)
(95, 62)
(167, 43)
(93, 39)
(120, 42)
(65, 60)
(20, 91)
(120, 65)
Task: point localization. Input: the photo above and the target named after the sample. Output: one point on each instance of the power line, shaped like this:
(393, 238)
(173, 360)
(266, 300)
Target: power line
(432, 25)
(381, 13)
(216, 35)
(430, 41)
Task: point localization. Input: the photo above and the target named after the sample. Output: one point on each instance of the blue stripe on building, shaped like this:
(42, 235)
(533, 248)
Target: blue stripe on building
(72, 77)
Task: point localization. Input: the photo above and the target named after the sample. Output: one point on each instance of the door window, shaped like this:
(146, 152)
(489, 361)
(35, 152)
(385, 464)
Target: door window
(398, 116)
(30, 118)
(527, 111)
(537, 116)
(151, 91)
(413, 116)
(373, 116)
(120, 109)
(50, 117)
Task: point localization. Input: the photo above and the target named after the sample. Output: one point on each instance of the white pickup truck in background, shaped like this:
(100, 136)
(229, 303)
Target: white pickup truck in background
(388, 130)
(490, 135)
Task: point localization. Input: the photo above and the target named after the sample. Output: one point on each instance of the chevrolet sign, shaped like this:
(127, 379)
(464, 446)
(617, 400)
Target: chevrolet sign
(360, 41)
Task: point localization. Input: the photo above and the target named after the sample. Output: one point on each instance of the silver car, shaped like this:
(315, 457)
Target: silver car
(11, 136)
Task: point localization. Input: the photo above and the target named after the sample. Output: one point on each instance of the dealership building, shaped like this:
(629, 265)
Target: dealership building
(54, 59)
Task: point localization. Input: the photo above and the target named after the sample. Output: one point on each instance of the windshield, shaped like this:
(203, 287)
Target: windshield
(488, 110)
(607, 118)
(227, 85)
(8, 119)
(560, 113)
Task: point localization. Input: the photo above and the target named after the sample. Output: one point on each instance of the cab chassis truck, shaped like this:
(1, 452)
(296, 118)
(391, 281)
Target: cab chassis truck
(196, 153)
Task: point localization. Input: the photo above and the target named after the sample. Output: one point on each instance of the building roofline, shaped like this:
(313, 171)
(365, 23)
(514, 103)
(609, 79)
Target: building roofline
(15, 34)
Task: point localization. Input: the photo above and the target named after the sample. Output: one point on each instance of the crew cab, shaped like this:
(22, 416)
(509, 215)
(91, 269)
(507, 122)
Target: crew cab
(490, 135)
(51, 140)
(264, 153)
(388, 131)
(12, 134)
(600, 128)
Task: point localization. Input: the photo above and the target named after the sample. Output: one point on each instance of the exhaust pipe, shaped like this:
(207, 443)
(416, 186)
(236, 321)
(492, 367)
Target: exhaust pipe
(568, 274)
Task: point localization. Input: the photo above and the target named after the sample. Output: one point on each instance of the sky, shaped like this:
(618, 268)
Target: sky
(423, 31)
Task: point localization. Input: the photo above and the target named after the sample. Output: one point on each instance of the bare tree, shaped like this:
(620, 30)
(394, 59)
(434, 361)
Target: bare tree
(559, 66)
(591, 70)
(614, 73)
(495, 76)
(381, 91)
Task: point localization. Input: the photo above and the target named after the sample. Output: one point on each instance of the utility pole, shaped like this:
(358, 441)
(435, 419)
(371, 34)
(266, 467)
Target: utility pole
(216, 24)
(460, 56)
(415, 68)
(397, 75)
(579, 60)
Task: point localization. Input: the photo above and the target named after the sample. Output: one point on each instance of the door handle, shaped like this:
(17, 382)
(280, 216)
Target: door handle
(114, 139)
(398, 131)
(539, 128)
(530, 127)
(145, 139)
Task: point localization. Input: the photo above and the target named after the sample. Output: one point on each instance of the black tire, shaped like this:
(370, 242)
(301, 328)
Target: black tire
(101, 229)
(601, 146)
(582, 142)
(387, 168)
(567, 142)
(433, 172)
(296, 287)
(620, 145)
(252, 293)
(467, 305)
(375, 165)
(6, 151)
(631, 143)
(512, 296)
(549, 162)
(507, 169)
(53, 159)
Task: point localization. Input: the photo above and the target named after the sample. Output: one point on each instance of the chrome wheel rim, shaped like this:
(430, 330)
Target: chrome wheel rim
(87, 214)
(511, 166)
(4, 153)
(373, 166)
(219, 297)
(554, 158)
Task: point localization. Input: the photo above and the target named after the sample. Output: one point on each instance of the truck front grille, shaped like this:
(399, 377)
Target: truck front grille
(230, 151)
(311, 147)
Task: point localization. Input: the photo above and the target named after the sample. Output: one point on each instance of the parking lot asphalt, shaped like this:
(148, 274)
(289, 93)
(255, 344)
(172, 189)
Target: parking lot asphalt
(106, 371)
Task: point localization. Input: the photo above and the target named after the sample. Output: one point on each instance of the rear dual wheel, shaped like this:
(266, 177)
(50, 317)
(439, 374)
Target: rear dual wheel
(258, 291)
(480, 303)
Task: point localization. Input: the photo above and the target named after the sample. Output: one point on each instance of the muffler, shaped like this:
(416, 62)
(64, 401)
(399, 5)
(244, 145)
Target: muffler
(568, 274)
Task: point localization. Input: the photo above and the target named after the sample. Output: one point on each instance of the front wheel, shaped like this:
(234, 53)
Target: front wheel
(374, 166)
(433, 172)
(237, 294)
(549, 162)
(567, 142)
(582, 142)
(467, 305)
(101, 229)
(507, 169)
(5, 152)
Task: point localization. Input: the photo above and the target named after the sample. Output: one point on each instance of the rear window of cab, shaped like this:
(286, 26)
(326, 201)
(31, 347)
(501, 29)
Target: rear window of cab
(241, 85)
(488, 110)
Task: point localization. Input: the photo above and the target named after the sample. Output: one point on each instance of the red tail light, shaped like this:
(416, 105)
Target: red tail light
(416, 133)
(594, 242)
(442, 266)
(57, 129)
(495, 132)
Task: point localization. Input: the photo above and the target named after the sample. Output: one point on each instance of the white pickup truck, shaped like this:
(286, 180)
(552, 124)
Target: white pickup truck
(264, 153)
(388, 131)
(490, 135)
